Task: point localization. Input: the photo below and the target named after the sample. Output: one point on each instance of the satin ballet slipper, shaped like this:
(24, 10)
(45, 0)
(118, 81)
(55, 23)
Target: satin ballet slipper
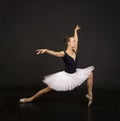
(25, 100)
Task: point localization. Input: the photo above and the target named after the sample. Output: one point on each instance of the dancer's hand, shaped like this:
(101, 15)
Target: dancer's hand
(41, 51)
(77, 28)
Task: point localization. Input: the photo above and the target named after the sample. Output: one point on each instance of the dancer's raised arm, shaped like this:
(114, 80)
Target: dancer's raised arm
(76, 35)
(51, 52)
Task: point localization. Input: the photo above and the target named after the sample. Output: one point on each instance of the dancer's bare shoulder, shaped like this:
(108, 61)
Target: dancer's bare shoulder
(61, 53)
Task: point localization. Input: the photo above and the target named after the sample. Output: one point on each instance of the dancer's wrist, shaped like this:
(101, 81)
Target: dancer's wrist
(46, 50)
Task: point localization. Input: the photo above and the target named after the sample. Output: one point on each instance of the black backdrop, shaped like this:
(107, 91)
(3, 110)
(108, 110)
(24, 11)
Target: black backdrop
(29, 25)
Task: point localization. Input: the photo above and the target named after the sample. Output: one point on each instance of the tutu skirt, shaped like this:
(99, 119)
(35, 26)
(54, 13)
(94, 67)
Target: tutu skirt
(63, 81)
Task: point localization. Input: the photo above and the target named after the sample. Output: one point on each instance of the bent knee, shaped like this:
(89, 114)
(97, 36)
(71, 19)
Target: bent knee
(91, 75)
(49, 88)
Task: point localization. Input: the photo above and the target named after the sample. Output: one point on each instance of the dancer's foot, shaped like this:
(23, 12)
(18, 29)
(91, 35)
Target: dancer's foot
(26, 100)
(90, 98)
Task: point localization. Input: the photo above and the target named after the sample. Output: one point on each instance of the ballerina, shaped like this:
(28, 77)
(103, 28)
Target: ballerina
(71, 76)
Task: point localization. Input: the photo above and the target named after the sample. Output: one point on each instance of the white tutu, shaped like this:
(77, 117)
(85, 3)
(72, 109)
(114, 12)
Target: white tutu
(63, 81)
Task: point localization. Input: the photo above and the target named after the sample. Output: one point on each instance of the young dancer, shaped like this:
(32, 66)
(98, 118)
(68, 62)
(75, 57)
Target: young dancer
(71, 77)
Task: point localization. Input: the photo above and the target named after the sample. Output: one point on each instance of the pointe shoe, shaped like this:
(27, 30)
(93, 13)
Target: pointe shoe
(90, 98)
(25, 100)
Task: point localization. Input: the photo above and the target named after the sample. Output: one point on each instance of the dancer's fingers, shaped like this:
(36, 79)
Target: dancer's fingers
(77, 27)
(38, 49)
(37, 53)
(42, 52)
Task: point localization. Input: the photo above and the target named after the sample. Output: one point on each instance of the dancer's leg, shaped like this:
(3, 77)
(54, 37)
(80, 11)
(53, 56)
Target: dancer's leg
(36, 95)
(90, 84)
(89, 88)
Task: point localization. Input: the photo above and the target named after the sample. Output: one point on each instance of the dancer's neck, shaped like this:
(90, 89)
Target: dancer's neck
(70, 50)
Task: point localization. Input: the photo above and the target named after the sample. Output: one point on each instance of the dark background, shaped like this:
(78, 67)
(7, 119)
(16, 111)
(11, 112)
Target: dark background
(29, 25)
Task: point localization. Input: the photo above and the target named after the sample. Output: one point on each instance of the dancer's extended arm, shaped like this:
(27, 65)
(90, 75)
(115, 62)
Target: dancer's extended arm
(76, 35)
(51, 52)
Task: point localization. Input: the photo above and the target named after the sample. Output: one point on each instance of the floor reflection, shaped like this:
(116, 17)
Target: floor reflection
(89, 114)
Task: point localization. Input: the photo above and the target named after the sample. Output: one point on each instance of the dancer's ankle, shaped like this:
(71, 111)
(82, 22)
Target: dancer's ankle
(31, 98)
(90, 94)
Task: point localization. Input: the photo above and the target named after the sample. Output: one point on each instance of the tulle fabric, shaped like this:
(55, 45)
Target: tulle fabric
(63, 81)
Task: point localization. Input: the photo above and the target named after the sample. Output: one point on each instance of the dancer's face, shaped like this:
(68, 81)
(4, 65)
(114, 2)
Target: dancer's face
(72, 42)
